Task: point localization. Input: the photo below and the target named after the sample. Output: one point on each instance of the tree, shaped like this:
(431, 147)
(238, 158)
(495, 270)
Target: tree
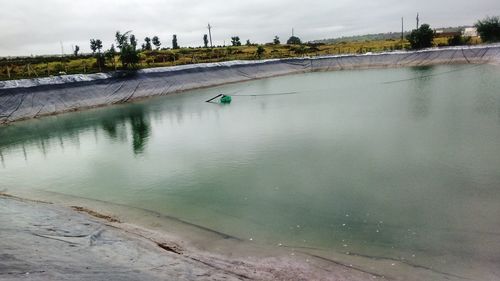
(205, 40)
(147, 44)
(249, 43)
(93, 46)
(133, 41)
(121, 39)
(156, 42)
(110, 55)
(489, 29)
(99, 45)
(76, 50)
(127, 44)
(421, 38)
(294, 40)
(235, 41)
(175, 45)
(260, 51)
(96, 45)
(276, 40)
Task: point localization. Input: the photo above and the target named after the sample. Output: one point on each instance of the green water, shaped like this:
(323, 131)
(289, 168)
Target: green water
(407, 170)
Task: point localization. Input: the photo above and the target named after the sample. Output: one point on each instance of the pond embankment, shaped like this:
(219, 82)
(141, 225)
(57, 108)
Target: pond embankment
(44, 241)
(31, 98)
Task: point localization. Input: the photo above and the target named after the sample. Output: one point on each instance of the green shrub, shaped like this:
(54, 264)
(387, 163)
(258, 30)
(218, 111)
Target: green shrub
(489, 29)
(421, 38)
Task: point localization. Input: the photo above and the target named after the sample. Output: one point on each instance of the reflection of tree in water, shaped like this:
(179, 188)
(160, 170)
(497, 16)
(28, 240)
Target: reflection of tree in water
(138, 123)
(486, 101)
(44, 136)
(109, 126)
(420, 101)
(140, 132)
(2, 161)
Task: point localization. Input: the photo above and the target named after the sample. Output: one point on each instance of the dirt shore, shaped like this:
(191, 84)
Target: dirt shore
(44, 241)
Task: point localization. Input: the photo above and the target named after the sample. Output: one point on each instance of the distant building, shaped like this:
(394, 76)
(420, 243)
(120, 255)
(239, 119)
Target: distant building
(456, 31)
(470, 32)
(448, 32)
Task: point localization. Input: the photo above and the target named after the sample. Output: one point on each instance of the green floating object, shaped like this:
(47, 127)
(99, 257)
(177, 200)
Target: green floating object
(225, 99)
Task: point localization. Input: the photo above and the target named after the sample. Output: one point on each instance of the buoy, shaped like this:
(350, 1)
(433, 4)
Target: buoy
(225, 99)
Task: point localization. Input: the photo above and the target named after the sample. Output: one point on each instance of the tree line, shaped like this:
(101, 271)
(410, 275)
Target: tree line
(488, 29)
(127, 53)
(128, 50)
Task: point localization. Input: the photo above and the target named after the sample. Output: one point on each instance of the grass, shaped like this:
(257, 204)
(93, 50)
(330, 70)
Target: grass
(31, 67)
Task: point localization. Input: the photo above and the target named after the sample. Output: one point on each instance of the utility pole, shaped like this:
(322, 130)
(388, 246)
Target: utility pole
(62, 49)
(62, 57)
(402, 28)
(402, 32)
(210, 34)
(418, 20)
(293, 32)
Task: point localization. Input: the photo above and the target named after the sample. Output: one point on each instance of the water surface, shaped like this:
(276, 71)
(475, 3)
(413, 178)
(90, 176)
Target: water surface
(399, 164)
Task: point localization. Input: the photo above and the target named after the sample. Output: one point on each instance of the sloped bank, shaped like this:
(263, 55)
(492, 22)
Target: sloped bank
(45, 241)
(30, 98)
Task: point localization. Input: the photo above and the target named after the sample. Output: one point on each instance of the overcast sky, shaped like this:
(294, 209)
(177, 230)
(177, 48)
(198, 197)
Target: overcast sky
(38, 26)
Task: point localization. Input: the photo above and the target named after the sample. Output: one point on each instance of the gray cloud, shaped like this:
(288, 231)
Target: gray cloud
(36, 27)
